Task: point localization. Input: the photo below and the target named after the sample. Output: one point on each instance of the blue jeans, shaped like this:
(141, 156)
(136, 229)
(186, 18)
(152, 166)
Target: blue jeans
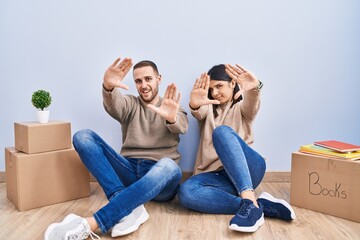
(218, 192)
(127, 182)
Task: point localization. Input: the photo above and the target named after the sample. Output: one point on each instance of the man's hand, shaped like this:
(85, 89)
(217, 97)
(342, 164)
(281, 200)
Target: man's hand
(170, 104)
(246, 80)
(115, 74)
(199, 93)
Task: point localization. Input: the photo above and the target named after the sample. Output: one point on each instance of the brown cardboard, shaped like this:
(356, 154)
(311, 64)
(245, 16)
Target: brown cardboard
(34, 137)
(326, 185)
(37, 180)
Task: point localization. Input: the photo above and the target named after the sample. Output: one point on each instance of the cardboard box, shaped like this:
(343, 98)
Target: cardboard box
(326, 185)
(34, 137)
(37, 180)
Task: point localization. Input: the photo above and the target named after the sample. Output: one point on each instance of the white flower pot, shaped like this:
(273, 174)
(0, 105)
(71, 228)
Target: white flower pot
(43, 116)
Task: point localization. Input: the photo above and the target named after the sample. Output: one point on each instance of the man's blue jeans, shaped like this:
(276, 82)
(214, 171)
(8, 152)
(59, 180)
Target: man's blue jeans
(218, 192)
(127, 182)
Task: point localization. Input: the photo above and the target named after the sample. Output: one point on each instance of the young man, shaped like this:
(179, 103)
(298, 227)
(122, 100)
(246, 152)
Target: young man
(146, 168)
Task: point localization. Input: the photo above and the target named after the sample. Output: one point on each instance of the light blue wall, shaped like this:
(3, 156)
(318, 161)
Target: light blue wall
(307, 53)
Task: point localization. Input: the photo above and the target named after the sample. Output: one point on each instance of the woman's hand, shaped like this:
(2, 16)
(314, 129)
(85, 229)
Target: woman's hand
(246, 79)
(199, 93)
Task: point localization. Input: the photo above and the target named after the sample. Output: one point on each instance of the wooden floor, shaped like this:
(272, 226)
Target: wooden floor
(170, 221)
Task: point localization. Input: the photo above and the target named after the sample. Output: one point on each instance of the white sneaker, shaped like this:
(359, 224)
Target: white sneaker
(131, 222)
(72, 227)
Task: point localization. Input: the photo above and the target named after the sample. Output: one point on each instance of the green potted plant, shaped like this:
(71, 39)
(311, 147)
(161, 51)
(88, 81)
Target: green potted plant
(41, 99)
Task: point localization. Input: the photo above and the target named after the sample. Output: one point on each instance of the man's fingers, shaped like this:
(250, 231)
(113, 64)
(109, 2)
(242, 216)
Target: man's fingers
(166, 94)
(178, 98)
(116, 62)
(154, 108)
(127, 64)
(172, 91)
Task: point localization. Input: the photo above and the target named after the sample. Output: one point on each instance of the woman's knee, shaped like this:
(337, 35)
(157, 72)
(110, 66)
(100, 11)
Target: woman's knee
(187, 192)
(221, 132)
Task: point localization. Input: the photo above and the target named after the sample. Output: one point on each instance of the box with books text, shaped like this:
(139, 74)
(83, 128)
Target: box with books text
(326, 185)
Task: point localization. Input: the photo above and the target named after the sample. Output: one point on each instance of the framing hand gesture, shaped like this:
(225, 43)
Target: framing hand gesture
(116, 72)
(170, 104)
(246, 80)
(199, 93)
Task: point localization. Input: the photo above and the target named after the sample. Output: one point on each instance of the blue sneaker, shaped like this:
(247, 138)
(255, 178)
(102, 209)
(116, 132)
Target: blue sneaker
(248, 218)
(276, 208)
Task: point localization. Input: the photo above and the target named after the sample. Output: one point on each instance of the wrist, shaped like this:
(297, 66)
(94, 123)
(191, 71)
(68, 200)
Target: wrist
(171, 121)
(193, 108)
(107, 88)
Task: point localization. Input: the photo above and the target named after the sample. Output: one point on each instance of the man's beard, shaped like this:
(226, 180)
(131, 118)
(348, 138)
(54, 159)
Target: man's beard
(152, 97)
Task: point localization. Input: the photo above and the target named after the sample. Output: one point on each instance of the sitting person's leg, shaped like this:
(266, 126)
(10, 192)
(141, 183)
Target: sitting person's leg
(139, 215)
(141, 191)
(172, 186)
(229, 147)
(112, 171)
(120, 205)
(245, 168)
(210, 192)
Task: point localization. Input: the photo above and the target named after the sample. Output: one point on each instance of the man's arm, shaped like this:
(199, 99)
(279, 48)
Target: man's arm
(116, 104)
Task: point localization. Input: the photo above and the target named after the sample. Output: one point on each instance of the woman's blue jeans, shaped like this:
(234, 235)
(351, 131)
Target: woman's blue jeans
(127, 182)
(218, 192)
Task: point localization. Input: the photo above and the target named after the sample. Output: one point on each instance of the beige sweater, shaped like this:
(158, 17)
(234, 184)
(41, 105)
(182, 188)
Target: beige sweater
(145, 134)
(240, 118)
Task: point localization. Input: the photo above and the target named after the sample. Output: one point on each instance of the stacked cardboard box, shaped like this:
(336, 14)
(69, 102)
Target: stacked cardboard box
(44, 168)
(326, 185)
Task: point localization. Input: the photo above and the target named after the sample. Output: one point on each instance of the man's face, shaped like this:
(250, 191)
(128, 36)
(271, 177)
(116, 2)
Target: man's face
(147, 83)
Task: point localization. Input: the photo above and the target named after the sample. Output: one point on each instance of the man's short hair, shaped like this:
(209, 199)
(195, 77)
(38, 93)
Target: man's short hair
(146, 63)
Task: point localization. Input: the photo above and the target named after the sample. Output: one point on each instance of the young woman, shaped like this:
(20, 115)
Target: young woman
(225, 101)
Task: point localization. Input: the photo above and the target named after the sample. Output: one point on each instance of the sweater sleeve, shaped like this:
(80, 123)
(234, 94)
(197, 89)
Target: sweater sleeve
(250, 104)
(201, 113)
(182, 123)
(117, 105)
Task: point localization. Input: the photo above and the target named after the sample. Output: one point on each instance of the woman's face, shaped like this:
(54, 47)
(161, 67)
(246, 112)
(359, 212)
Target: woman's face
(222, 90)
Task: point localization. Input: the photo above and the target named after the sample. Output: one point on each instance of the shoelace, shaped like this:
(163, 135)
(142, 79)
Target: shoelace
(84, 233)
(92, 235)
(270, 212)
(244, 207)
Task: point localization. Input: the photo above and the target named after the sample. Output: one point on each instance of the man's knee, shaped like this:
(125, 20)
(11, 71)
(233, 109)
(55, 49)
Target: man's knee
(169, 166)
(82, 136)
